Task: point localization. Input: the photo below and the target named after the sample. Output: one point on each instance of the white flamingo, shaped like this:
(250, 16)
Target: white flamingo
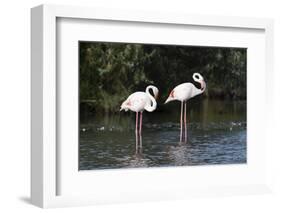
(138, 102)
(184, 92)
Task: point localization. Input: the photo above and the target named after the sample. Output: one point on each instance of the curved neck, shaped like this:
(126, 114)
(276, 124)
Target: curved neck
(150, 107)
(203, 86)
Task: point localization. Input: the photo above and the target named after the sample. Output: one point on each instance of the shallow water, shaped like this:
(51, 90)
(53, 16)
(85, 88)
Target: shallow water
(216, 130)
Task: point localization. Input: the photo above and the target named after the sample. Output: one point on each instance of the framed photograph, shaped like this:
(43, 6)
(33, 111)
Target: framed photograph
(129, 106)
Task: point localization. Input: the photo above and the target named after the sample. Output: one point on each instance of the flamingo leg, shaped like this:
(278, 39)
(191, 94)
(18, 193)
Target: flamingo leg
(140, 129)
(140, 150)
(185, 125)
(136, 130)
(181, 121)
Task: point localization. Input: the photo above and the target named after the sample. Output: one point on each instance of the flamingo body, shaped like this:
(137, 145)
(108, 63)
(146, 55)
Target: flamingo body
(136, 102)
(183, 93)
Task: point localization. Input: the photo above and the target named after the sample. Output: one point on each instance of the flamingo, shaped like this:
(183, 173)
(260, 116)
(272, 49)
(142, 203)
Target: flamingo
(138, 102)
(183, 93)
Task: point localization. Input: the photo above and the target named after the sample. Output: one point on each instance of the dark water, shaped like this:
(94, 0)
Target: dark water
(216, 129)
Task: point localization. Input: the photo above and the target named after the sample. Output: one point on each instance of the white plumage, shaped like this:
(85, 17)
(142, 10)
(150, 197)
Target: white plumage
(186, 91)
(140, 101)
(183, 93)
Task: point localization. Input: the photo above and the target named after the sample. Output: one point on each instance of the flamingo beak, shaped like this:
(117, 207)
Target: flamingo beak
(168, 100)
(171, 97)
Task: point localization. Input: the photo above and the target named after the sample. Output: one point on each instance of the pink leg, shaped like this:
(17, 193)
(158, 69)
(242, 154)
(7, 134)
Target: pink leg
(140, 142)
(137, 118)
(181, 122)
(140, 128)
(140, 123)
(185, 126)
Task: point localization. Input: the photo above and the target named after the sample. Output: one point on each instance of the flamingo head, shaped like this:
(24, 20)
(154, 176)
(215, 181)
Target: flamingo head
(171, 97)
(198, 78)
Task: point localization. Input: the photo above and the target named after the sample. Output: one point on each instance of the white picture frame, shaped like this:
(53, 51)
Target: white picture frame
(44, 148)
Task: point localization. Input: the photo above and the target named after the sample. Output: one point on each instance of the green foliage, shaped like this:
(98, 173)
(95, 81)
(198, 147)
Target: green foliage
(109, 72)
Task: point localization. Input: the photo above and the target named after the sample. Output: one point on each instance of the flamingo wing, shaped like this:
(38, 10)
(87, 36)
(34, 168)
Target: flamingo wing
(135, 102)
(183, 91)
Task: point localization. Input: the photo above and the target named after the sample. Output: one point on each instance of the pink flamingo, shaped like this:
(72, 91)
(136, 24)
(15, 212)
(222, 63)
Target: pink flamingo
(138, 102)
(184, 92)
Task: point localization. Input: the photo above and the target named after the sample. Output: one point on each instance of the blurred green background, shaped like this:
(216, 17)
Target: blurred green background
(110, 72)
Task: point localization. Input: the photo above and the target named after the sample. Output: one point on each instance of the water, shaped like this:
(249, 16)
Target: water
(216, 129)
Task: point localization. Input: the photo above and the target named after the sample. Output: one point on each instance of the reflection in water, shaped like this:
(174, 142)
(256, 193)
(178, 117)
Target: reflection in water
(179, 155)
(138, 160)
(217, 132)
(139, 145)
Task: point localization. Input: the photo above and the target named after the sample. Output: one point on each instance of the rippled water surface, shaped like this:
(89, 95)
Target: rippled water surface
(216, 129)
